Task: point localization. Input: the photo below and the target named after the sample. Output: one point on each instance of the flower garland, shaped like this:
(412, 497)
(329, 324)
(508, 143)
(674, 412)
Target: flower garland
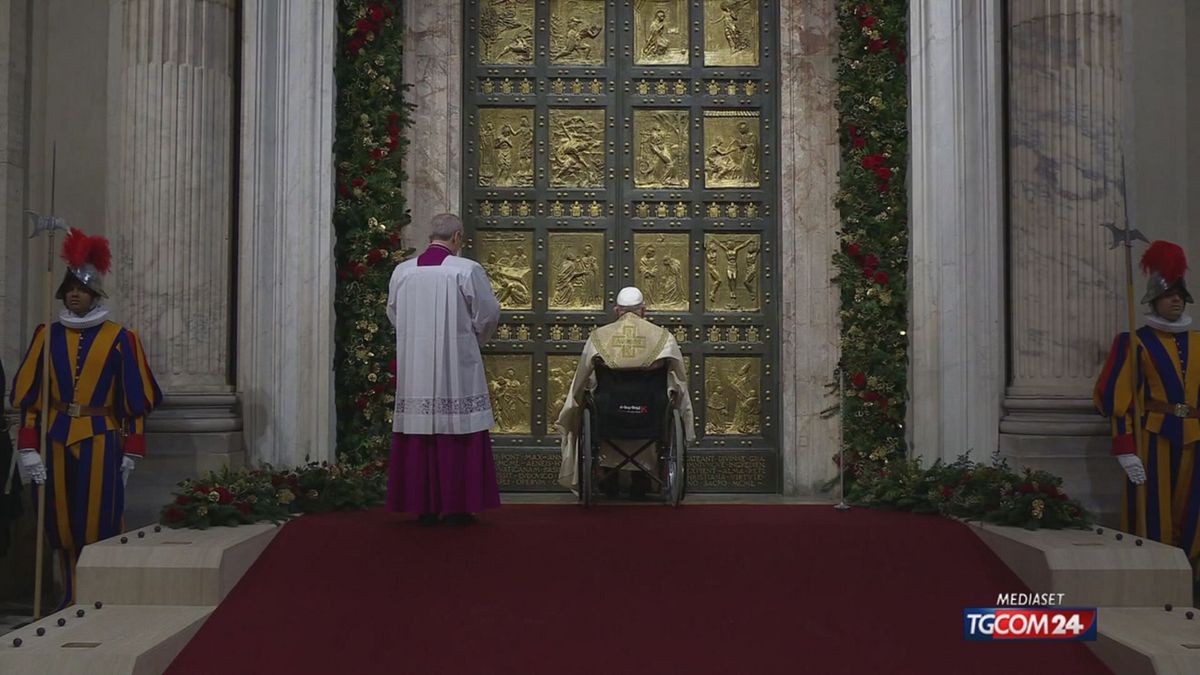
(872, 263)
(369, 214)
(230, 498)
(964, 489)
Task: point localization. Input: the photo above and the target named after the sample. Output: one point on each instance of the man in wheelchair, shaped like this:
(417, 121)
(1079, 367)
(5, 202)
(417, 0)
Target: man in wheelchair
(630, 382)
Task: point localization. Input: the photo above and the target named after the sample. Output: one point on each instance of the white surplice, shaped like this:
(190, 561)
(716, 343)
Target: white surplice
(630, 342)
(442, 314)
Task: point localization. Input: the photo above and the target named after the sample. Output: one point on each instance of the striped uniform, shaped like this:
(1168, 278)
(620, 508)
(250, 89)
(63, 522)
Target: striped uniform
(1166, 507)
(104, 370)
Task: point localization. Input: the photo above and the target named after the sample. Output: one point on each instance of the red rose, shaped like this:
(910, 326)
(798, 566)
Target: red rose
(342, 274)
(358, 182)
(377, 13)
(343, 190)
(174, 515)
(394, 239)
(224, 496)
(1026, 489)
(883, 173)
(947, 491)
(867, 21)
(362, 403)
(881, 277)
(376, 255)
(365, 26)
(872, 162)
(181, 500)
(852, 130)
(354, 46)
(244, 508)
(883, 186)
(377, 154)
(358, 269)
(876, 46)
(863, 11)
(868, 274)
(859, 380)
(391, 142)
(871, 261)
(853, 250)
(871, 396)
(860, 143)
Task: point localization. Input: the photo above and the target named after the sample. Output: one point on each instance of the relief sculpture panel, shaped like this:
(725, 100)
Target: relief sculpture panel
(660, 151)
(560, 371)
(732, 277)
(731, 32)
(732, 151)
(660, 32)
(733, 395)
(506, 32)
(577, 32)
(576, 148)
(506, 147)
(576, 280)
(662, 270)
(505, 256)
(509, 377)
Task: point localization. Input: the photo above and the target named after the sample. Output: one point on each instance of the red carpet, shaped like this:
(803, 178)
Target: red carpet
(556, 589)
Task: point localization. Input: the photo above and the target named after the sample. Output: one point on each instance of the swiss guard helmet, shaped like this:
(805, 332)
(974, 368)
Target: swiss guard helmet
(1165, 263)
(88, 260)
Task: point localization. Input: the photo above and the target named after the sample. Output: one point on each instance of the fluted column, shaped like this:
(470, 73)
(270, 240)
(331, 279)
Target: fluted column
(1065, 101)
(285, 251)
(171, 213)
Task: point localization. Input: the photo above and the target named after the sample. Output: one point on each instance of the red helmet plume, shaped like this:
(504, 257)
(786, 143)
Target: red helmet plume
(1167, 259)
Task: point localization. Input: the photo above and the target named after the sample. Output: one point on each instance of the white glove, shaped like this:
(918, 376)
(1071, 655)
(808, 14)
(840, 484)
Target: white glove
(1133, 468)
(127, 465)
(31, 467)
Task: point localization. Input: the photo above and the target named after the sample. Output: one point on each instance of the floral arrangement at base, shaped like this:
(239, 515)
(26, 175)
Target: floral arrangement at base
(973, 491)
(230, 498)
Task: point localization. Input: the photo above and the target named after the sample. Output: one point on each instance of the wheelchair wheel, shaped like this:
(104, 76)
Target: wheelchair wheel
(676, 483)
(584, 460)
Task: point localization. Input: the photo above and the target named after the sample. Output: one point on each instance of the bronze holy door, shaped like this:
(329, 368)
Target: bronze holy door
(627, 142)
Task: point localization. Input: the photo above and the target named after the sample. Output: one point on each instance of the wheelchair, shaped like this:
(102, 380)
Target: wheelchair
(632, 405)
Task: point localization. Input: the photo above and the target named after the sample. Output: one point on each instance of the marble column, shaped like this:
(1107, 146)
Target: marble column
(956, 187)
(285, 247)
(170, 217)
(1066, 296)
(14, 168)
(809, 303)
(433, 70)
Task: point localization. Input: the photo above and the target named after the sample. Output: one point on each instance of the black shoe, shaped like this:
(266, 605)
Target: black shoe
(639, 485)
(459, 520)
(427, 519)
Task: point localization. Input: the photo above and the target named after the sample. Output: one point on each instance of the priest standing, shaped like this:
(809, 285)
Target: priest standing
(443, 309)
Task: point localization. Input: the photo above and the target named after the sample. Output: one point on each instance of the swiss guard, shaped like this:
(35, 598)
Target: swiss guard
(1162, 493)
(101, 390)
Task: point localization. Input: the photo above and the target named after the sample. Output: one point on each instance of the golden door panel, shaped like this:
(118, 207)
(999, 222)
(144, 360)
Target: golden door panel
(560, 371)
(506, 147)
(732, 149)
(509, 377)
(576, 281)
(577, 32)
(506, 32)
(732, 395)
(505, 256)
(660, 150)
(660, 32)
(731, 272)
(730, 33)
(662, 270)
(577, 147)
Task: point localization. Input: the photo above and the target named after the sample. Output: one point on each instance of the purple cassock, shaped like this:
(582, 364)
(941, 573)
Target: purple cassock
(443, 308)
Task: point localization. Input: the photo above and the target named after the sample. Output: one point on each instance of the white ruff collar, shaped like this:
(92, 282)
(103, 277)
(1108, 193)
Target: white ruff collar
(97, 316)
(1155, 321)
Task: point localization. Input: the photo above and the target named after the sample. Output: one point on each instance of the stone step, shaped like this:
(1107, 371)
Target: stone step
(112, 640)
(169, 567)
(1093, 570)
(1149, 641)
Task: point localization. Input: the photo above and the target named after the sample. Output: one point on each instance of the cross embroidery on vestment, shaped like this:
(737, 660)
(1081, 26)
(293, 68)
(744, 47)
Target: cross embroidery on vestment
(628, 341)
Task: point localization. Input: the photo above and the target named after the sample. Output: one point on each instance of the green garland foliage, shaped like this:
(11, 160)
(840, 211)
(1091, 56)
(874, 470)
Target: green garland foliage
(369, 214)
(872, 263)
